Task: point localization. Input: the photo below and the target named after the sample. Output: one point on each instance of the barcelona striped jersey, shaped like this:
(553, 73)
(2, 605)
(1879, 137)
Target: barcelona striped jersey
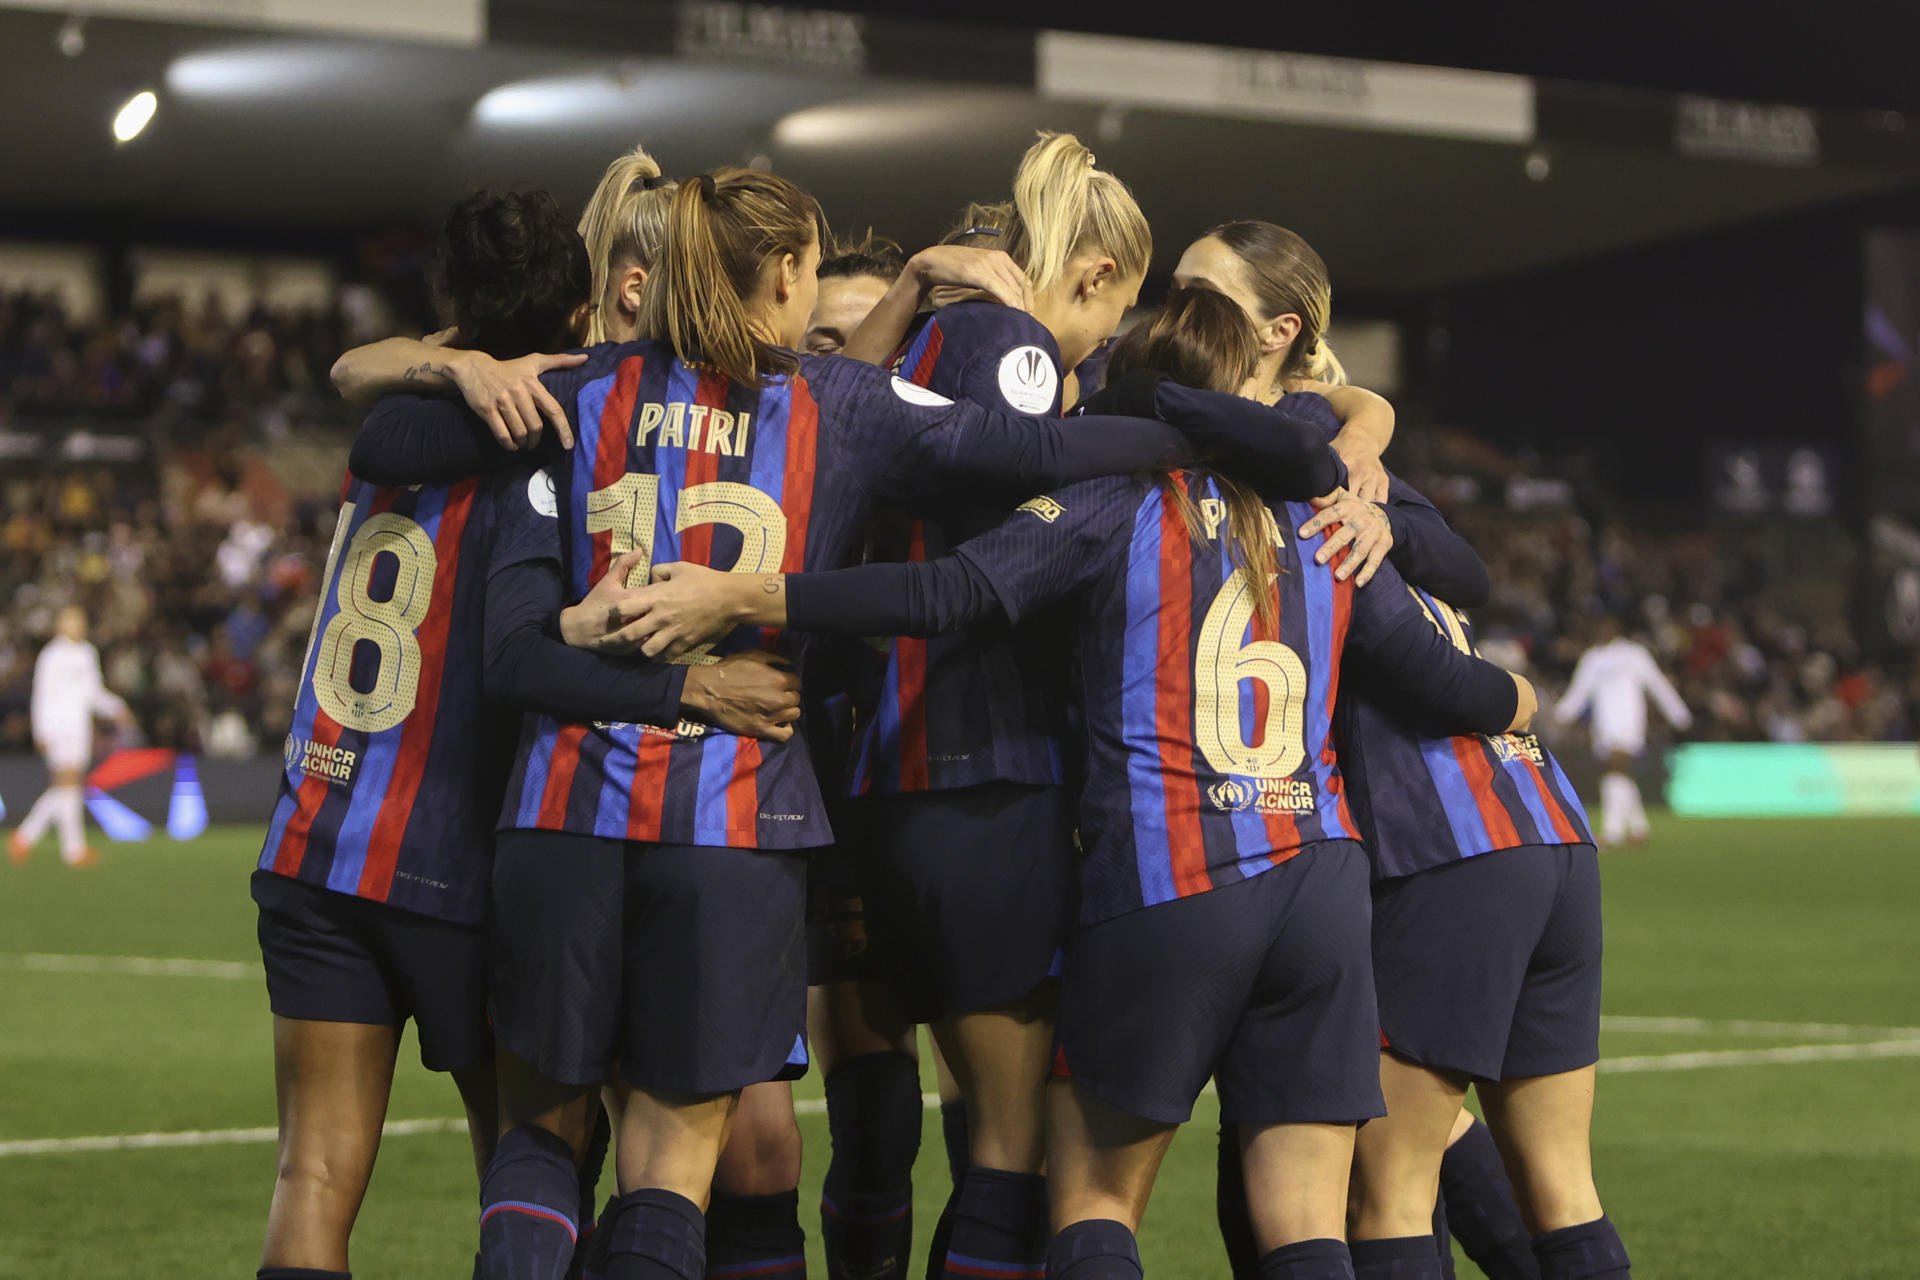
(678, 461)
(1209, 732)
(394, 763)
(1424, 801)
(987, 704)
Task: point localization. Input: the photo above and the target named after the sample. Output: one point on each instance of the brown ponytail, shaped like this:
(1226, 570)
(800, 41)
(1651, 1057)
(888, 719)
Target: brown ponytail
(722, 230)
(1201, 338)
(1289, 278)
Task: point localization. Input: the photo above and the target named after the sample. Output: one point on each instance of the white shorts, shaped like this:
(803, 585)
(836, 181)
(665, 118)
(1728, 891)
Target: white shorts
(68, 749)
(1607, 744)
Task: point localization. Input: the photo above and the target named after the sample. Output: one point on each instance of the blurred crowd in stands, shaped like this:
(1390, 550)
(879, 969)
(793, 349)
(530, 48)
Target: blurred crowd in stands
(200, 564)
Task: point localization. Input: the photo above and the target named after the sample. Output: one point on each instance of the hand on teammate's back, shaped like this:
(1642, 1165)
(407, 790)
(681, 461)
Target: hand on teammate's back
(1363, 534)
(755, 693)
(510, 398)
(957, 272)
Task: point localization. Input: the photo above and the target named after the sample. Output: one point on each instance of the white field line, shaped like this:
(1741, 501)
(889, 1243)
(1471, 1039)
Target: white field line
(1908, 1048)
(132, 966)
(1800, 1053)
(174, 967)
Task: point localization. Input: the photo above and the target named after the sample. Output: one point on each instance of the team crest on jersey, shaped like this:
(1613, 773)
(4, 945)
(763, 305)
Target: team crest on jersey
(540, 492)
(1231, 795)
(318, 760)
(1509, 747)
(1046, 508)
(1028, 380)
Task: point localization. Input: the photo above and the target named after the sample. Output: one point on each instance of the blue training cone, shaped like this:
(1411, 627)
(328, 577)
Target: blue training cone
(187, 811)
(119, 822)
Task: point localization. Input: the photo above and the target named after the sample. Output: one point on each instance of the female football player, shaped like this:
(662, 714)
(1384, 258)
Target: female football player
(1222, 929)
(647, 903)
(372, 882)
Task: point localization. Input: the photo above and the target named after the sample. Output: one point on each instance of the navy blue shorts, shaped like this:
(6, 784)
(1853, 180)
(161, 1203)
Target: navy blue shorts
(332, 957)
(1490, 966)
(684, 965)
(970, 895)
(1265, 985)
(837, 943)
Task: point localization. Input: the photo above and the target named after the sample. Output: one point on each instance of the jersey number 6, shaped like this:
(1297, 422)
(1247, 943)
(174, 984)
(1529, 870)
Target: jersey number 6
(1221, 662)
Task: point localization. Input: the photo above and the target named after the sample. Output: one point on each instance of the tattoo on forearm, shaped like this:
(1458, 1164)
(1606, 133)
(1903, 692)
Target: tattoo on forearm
(771, 584)
(426, 371)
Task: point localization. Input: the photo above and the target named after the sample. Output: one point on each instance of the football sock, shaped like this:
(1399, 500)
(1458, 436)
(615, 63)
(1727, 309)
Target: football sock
(756, 1236)
(866, 1203)
(299, 1273)
(1098, 1249)
(1308, 1260)
(656, 1234)
(1590, 1251)
(1230, 1206)
(1480, 1209)
(953, 1128)
(40, 816)
(1398, 1258)
(1636, 807)
(999, 1226)
(69, 816)
(591, 1253)
(529, 1203)
(1615, 800)
(1443, 1238)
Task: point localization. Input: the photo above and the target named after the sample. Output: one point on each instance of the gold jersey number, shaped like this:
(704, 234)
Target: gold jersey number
(1221, 662)
(389, 625)
(627, 509)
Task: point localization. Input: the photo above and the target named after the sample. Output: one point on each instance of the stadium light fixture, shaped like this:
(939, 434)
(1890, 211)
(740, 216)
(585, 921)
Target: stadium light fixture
(135, 115)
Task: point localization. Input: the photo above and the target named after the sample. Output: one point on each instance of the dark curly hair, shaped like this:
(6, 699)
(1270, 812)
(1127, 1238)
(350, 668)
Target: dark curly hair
(509, 272)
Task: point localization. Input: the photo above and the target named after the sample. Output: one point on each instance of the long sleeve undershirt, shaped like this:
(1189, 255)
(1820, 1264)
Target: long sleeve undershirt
(528, 668)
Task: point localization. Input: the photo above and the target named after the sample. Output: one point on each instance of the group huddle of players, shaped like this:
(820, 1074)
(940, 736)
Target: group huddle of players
(729, 665)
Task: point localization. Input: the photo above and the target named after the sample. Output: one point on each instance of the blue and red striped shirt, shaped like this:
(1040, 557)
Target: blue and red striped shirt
(1210, 745)
(987, 704)
(394, 762)
(776, 478)
(1425, 801)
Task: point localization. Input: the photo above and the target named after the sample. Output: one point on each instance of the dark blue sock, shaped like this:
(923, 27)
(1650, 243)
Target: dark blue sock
(657, 1235)
(866, 1203)
(1590, 1251)
(529, 1205)
(756, 1236)
(1230, 1207)
(1099, 1249)
(1443, 1238)
(1398, 1258)
(999, 1226)
(299, 1273)
(1480, 1208)
(953, 1128)
(1308, 1260)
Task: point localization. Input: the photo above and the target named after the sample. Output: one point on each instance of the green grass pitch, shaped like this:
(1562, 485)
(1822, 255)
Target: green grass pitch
(1778, 1135)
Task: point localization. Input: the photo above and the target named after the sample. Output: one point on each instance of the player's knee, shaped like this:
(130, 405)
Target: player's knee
(325, 1174)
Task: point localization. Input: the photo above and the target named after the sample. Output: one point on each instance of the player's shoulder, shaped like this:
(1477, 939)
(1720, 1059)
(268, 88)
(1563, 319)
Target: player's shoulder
(992, 326)
(1312, 407)
(833, 379)
(991, 351)
(602, 359)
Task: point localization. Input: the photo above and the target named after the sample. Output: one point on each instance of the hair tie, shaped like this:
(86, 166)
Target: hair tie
(707, 188)
(651, 183)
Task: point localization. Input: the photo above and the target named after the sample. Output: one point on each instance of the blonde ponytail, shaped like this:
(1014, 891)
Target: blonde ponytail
(1063, 204)
(624, 224)
(1324, 366)
(722, 229)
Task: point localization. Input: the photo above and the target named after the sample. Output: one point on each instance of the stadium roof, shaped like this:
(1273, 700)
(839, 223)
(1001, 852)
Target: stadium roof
(1406, 179)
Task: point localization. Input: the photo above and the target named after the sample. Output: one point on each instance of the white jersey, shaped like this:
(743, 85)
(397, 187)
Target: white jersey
(1616, 679)
(68, 692)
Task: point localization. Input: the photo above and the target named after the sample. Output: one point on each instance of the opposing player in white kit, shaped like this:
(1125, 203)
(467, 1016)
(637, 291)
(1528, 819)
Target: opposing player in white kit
(68, 693)
(1614, 679)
